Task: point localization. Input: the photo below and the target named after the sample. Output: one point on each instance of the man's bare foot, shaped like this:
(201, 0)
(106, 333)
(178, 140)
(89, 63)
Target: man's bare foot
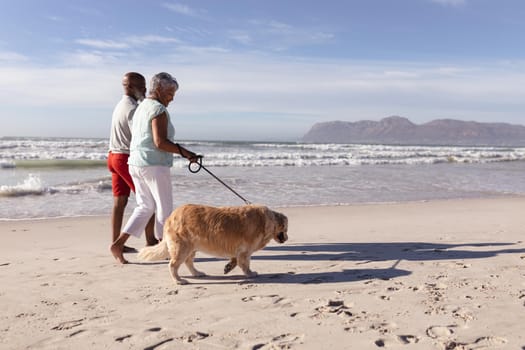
(129, 249)
(118, 253)
(117, 248)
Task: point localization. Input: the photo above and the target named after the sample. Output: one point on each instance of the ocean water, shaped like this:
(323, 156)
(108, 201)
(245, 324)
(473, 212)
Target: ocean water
(59, 177)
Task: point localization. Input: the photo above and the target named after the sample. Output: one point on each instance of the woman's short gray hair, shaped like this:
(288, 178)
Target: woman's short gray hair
(163, 81)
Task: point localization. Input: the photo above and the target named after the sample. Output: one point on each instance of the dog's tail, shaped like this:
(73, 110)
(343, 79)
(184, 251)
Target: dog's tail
(154, 253)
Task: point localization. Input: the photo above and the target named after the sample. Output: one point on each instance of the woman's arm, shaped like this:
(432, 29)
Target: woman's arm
(159, 126)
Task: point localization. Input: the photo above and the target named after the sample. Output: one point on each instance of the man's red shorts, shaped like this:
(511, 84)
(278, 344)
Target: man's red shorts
(121, 182)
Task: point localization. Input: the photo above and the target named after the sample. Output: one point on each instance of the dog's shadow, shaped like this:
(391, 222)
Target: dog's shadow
(352, 275)
(361, 253)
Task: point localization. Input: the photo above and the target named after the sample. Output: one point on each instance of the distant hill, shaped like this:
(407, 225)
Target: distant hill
(399, 130)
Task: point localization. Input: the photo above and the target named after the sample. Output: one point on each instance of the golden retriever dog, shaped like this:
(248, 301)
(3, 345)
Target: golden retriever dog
(228, 232)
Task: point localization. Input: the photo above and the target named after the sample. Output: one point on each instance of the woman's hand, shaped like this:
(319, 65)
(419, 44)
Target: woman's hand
(192, 157)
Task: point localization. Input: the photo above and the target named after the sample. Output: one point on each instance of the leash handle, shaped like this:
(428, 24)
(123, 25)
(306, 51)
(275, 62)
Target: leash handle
(195, 170)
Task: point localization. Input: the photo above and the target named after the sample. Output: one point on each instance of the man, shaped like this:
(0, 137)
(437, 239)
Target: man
(134, 86)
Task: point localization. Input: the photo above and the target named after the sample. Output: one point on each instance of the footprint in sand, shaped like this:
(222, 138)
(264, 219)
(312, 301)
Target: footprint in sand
(463, 313)
(334, 307)
(192, 337)
(68, 325)
(283, 341)
(272, 299)
(490, 342)
(480, 343)
(259, 297)
(381, 343)
(436, 332)
(384, 327)
(408, 339)
(393, 341)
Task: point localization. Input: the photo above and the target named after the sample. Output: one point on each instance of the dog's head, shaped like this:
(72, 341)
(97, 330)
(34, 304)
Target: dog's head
(280, 234)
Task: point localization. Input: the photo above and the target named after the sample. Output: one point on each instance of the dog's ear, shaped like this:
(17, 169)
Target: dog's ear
(270, 225)
(281, 219)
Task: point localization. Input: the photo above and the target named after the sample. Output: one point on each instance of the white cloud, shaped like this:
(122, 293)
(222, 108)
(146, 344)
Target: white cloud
(150, 39)
(278, 36)
(102, 44)
(90, 58)
(182, 9)
(9, 56)
(276, 26)
(57, 87)
(241, 37)
(219, 88)
(127, 42)
(190, 30)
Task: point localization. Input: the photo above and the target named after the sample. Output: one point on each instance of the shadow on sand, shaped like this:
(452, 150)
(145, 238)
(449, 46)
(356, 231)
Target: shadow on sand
(361, 253)
(395, 251)
(351, 275)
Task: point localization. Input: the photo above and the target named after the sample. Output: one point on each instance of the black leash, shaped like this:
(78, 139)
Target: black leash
(200, 166)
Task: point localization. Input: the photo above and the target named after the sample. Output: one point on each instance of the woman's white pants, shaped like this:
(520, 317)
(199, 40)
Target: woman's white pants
(153, 193)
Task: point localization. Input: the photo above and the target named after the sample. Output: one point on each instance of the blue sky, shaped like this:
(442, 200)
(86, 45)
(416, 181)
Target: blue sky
(261, 70)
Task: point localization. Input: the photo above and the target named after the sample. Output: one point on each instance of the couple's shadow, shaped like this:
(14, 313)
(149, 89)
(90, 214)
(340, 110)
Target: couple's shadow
(363, 253)
(360, 253)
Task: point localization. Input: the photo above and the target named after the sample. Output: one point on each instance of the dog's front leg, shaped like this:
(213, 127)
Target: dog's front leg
(244, 263)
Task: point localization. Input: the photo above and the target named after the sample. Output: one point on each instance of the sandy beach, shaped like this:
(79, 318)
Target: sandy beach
(420, 275)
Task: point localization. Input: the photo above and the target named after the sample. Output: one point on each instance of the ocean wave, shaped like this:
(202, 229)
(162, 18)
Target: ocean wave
(90, 153)
(60, 163)
(287, 160)
(34, 186)
(52, 163)
(310, 160)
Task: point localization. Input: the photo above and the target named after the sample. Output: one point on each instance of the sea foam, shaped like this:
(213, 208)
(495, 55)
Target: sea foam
(32, 185)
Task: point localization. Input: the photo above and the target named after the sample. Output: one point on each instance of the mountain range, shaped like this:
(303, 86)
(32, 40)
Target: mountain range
(399, 130)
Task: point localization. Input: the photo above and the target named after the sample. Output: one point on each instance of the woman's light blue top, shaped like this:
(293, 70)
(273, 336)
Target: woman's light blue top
(143, 151)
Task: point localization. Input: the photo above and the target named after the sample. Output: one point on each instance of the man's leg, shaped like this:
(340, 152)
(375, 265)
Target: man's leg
(117, 215)
(121, 184)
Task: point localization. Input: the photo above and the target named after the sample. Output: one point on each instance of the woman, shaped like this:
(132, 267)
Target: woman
(150, 160)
